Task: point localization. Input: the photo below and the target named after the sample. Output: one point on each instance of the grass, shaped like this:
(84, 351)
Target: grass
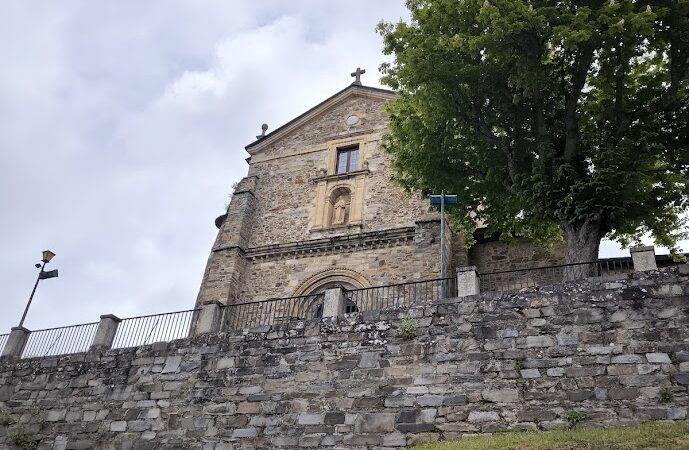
(674, 436)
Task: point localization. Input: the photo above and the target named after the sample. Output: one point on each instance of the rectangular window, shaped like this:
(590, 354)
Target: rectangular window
(347, 159)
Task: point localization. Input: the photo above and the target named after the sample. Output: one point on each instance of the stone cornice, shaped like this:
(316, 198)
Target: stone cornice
(335, 244)
(341, 176)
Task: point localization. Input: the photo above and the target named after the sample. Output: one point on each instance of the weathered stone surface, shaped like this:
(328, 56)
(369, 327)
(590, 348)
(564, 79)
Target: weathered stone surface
(374, 423)
(483, 416)
(501, 395)
(658, 358)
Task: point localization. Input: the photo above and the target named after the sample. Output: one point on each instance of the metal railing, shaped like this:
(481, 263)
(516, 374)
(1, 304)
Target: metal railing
(273, 311)
(3, 341)
(403, 294)
(60, 341)
(506, 280)
(143, 330)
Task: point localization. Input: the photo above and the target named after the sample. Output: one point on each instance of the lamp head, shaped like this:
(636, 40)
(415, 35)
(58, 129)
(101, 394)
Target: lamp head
(47, 256)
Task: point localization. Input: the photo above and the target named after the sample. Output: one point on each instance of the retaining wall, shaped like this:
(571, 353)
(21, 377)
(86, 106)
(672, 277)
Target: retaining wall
(527, 360)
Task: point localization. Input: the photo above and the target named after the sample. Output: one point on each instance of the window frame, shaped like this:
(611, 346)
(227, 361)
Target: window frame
(349, 166)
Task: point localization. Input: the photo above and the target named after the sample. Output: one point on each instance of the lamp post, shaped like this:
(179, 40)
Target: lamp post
(442, 200)
(42, 275)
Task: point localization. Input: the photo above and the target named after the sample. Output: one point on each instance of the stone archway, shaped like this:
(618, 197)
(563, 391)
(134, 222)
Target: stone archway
(347, 278)
(316, 284)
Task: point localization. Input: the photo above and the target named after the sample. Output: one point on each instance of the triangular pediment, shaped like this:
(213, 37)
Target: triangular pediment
(313, 113)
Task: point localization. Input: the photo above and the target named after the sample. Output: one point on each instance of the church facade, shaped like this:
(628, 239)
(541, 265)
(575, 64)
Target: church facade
(317, 209)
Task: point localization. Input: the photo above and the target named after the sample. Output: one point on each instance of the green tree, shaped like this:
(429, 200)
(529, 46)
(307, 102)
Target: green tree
(547, 118)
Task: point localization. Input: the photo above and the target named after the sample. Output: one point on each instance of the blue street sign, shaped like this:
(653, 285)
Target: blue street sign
(449, 199)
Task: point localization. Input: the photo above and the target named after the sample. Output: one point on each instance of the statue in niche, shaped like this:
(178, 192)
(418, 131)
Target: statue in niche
(340, 211)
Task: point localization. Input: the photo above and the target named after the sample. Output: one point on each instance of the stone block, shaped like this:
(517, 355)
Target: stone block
(430, 400)
(539, 341)
(245, 433)
(172, 364)
(555, 372)
(677, 413)
(374, 423)
(627, 359)
(334, 418)
(454, 400)
(623, 393)
(309, 419)
(500, 395)
(360, 440)
(118, 426)
(530, 373)
(483, 416)
(658, 358)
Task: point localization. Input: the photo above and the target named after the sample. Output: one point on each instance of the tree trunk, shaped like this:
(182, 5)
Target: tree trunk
(583, 242)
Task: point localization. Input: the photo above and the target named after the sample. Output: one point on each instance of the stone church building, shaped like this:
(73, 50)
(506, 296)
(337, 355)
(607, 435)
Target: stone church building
(317, 209)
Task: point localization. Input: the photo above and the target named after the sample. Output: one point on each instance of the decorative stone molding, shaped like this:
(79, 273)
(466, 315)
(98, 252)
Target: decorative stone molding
(331, 275)
(337, 244)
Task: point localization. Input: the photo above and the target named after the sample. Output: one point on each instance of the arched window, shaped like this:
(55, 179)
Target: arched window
(339, 204)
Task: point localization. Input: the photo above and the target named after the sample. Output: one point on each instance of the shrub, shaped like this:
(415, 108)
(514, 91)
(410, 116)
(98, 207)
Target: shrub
(6, 419)
(21, 437)
(574, 417)
(408, 327)
(665, 394)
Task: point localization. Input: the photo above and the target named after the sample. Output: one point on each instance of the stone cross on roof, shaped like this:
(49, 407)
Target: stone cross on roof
(357, 74)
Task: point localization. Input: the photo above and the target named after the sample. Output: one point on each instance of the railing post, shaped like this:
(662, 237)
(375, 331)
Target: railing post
(334, 303)
(468, 282)
(105, 333)
(644, 258)
(16, 343)
(208, 318)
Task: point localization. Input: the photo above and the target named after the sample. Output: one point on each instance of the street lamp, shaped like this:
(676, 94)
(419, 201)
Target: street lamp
(442, 200)
(42, 275)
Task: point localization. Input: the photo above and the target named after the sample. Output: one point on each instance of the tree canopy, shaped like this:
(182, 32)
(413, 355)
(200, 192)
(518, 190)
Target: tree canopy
(546, 118)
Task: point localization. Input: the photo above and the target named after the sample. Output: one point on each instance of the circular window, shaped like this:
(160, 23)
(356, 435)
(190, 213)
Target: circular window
(352, 120)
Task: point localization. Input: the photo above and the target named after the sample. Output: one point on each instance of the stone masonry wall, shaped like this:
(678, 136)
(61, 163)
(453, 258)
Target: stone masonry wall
(520, 254)
(392, 263)
(286, 192)
(509, 361)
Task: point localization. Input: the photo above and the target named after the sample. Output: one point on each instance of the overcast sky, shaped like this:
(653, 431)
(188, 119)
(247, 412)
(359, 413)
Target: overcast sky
(122, 130)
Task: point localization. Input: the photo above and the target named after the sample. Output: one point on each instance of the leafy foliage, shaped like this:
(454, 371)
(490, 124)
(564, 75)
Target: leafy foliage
(665, 394)
(574, 417)
(546, 117)
(409, 327)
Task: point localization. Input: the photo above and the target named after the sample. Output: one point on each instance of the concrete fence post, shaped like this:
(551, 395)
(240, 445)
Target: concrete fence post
(208, 318)
(644, 258)
(468, 282)
(16, 343)
(334, 304)
(105, 333)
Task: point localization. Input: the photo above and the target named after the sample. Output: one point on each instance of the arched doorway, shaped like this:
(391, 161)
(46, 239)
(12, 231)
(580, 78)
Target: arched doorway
(346, 279)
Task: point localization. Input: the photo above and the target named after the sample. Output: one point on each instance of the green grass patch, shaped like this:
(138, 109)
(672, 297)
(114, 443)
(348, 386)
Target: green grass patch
(673, 436)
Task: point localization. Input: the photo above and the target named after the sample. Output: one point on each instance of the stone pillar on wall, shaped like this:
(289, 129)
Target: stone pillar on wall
(208, 319)
(468, 282)
(105, 333)
(16, 343)
(334, 304)
(224, 272)
(427, 242)
(644, 258)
